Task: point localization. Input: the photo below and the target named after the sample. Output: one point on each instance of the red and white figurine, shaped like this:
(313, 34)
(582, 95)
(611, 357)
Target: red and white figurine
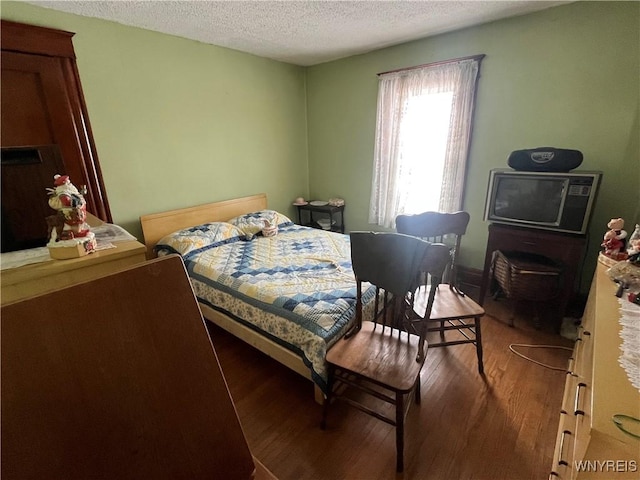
(69, 228)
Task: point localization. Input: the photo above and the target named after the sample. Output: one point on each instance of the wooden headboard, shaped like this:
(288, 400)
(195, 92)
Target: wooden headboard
(157, 225)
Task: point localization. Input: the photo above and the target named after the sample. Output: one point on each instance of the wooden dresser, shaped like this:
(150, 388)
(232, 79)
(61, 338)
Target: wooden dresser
(589, 444)
(38, 278)
(124, 385)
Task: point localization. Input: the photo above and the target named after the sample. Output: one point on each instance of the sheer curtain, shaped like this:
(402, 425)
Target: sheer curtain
(423, 129)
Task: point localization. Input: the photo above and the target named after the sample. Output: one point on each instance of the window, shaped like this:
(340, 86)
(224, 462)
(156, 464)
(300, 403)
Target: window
(423, 129)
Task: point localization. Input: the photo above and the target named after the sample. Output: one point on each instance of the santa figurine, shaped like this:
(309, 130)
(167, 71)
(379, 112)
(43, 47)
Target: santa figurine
(70, 234)
(71, 208)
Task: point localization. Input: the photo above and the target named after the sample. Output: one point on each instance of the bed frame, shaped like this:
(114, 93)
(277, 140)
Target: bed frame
(157, 225)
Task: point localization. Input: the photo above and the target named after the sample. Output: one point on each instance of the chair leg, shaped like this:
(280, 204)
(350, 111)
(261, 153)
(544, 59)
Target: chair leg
(417, 390)
(327, 400)
(537, 324)
(399, 432)
(479, 346)
(512, 318)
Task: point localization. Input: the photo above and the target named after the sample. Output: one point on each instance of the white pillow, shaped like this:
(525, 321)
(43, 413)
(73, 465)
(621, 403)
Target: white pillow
(193, 239)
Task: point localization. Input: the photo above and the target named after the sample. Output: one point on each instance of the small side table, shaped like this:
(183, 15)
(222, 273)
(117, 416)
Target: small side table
(566, 250)
(321, 211)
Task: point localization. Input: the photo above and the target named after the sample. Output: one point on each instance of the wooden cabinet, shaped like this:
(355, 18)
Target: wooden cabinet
(588, 444)
(567, 250)
(45, 131)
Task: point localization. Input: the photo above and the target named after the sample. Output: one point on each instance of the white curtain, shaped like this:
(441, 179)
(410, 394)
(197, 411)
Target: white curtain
(390, 184)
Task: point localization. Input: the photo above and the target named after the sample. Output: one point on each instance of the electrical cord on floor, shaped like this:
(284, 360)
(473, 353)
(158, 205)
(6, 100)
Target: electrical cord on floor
(513, 350)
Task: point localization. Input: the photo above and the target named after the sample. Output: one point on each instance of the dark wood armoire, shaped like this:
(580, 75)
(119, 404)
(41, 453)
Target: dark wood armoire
(45, 130)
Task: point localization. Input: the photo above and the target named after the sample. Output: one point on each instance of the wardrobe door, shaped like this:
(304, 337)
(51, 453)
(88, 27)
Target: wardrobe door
(37, 135)
(45, 131)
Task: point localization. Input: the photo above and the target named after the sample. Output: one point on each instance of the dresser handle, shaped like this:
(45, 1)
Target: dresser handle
(570, 366)
(577, 410)
(561, 460)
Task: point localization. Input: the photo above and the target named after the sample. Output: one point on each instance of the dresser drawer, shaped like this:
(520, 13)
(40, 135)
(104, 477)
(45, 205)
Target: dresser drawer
(568, 398)
(588, 446)
(563, 453)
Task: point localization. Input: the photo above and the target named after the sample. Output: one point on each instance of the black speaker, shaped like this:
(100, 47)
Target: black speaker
(545, 159)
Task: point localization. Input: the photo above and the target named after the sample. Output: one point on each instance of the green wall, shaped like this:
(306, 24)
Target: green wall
(179, 123)
(567, 77)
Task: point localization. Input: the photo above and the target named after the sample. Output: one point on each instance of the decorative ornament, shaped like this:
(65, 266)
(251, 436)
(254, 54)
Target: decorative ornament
(270, 228)
(633, 250)
(69, 234)
(615, 240)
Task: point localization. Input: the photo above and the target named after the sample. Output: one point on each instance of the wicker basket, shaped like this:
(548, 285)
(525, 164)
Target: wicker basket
(526, 276)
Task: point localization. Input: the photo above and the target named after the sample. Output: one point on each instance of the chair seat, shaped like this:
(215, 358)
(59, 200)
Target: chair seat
(455, 313)
(382, 358)
(448, 304)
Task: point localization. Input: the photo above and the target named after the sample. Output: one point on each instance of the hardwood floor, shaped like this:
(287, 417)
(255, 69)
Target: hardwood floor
(501, 427)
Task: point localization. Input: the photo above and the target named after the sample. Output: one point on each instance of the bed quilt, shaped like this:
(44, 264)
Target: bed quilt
(297, 288)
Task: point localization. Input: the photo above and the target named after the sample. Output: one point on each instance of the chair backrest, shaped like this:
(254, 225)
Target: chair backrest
(388, 260)
(391, 262)
(437, 227)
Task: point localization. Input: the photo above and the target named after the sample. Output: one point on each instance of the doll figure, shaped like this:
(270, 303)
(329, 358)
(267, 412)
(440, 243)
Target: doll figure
(617, 224)
(71, 209)
(612, 245)
(635, 235)
(270, 228)
(633, 251)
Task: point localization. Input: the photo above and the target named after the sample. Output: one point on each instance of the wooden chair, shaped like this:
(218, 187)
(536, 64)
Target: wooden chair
(438, 227)
(383, 358)
(453, 311)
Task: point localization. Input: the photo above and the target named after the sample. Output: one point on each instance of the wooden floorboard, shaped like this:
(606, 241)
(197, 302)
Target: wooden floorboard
(502, 426)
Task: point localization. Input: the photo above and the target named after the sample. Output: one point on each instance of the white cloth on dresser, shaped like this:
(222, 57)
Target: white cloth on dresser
(105, 234)
(630, 333)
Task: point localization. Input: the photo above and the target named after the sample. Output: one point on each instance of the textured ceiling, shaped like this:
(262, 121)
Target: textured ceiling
(300, 32)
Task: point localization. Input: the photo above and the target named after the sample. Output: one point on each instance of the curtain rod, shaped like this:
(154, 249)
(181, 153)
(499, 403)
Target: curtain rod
(443, 62)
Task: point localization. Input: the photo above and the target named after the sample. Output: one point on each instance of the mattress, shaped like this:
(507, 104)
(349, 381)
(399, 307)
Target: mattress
(296, 288)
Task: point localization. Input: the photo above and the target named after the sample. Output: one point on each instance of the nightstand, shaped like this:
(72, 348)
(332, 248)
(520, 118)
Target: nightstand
(308, 215)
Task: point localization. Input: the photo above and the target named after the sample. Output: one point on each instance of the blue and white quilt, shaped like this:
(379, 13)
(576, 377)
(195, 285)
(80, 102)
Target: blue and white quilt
(297, 287)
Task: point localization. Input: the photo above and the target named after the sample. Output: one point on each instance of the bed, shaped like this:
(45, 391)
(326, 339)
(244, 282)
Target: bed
(291, 295)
